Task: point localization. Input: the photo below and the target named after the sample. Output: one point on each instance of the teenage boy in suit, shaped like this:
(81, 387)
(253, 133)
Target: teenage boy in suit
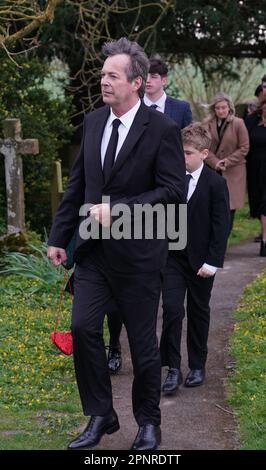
(191, 271)
(155, 96)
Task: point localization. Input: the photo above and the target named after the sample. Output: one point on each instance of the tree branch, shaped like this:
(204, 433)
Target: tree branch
(21, 14)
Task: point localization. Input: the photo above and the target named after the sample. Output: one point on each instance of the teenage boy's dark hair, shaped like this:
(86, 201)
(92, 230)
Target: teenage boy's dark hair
(158, 66)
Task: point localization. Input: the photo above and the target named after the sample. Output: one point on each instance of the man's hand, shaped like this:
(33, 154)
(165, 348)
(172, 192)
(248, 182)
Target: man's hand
(102, 213)
(204, 272)
(221, 165)
(56, 255)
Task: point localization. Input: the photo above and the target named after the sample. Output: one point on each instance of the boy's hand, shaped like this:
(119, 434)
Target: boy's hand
(204, 272)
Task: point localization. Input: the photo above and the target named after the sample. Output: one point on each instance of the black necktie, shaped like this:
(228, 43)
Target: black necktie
(111, 150)
(187, 180)
(154, 106)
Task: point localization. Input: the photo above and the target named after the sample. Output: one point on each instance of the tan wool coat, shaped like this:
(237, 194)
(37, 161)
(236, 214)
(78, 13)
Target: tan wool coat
(233, 149)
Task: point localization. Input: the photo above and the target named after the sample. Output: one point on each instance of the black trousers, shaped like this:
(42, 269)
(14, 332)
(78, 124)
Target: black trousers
(137, 298)
(115, 323)
(179, 279)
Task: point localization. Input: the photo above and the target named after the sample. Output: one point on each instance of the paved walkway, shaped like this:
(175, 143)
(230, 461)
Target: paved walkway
(197, 418)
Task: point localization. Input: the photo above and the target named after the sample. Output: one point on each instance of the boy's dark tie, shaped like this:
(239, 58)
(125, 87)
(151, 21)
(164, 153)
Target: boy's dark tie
(154, 106)
(111, 150)
(187, 180)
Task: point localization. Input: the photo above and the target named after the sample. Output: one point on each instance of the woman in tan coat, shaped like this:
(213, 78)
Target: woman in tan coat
(229, 147)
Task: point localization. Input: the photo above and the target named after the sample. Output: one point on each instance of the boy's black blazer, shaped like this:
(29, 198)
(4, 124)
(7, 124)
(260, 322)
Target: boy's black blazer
(208, 221)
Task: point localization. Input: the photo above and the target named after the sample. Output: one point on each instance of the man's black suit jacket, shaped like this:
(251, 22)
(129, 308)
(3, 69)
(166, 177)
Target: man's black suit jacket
(149, 168)
(208, 221)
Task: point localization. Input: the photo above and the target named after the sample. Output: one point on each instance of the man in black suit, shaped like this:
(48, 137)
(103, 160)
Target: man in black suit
(191, 271)
(133, 155)
(180, 112)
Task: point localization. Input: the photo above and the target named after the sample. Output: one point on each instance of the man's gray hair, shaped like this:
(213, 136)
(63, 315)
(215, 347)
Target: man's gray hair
(139, 62)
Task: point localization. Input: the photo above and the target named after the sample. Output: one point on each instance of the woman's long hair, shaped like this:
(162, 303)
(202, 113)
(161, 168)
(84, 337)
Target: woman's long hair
(221, 96)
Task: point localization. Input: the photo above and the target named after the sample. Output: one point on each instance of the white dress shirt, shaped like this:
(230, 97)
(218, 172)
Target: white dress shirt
(193, 181)
(126, 122)
(191, 188)
(160, 102)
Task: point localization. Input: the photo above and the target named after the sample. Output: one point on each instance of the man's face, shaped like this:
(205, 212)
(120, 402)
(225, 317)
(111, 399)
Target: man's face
(263, 88)
(155, 83)
(194, 157)
(117, 91)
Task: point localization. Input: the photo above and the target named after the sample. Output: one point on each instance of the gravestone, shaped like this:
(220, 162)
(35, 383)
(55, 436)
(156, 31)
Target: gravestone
(12, 147)
(56, 187)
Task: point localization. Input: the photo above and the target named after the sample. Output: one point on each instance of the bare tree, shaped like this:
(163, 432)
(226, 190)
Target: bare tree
(100, 21)
(94, 22)
(20, 18)
(190, 82)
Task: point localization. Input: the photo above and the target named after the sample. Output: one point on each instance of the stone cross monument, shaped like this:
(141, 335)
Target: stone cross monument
(12, 147)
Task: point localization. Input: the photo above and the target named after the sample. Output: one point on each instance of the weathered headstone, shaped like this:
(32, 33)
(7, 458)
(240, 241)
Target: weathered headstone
(12, 147)
(56, 187)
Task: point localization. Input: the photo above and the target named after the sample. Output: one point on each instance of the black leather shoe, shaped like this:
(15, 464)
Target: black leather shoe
(173, 380)
(148, 438)
(195, 378)
(114, 360)
(95, 430)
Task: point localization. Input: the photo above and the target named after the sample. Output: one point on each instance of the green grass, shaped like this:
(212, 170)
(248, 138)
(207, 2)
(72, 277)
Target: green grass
(247, 385)
(39, 402)
(38, 430)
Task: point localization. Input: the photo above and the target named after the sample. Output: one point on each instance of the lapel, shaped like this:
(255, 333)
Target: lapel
(168, 107)
(96, 139)
(199, 188)
(135, 132)
(217, 139)
(214, 133)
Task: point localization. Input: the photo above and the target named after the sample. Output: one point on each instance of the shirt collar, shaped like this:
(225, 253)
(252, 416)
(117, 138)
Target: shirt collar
(196, 174)
(160, 102)
(127, 118)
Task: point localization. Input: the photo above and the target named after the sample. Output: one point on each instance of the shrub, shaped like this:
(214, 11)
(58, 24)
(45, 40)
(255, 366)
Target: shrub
(44, 117)
(35, 266)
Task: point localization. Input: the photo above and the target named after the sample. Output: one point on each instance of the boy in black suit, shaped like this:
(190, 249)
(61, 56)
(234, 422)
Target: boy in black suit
(191, 271)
